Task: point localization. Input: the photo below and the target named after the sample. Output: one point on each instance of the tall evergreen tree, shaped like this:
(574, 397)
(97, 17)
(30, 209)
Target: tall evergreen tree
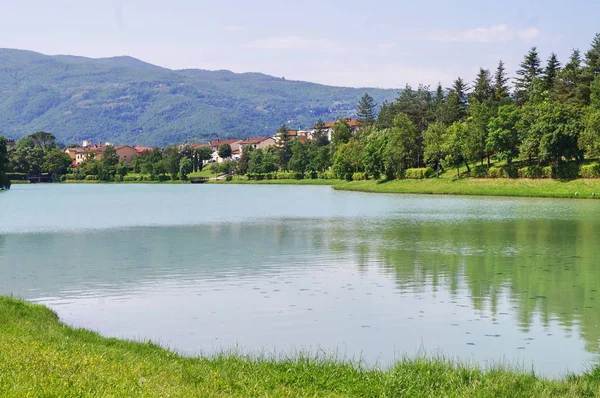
(482, 87)
(500, 82)
(551, 72)
(592, 58)
(455, 107)
(571, 85)
(529, 71)
(367, 109)
(437, 103)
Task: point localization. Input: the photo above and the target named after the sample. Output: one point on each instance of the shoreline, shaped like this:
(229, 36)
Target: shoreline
(539, 188)
(42, 356)
(530, 188)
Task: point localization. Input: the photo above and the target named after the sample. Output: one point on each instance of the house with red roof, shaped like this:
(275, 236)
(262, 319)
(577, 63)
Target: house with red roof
(256, 143)
(354, 125)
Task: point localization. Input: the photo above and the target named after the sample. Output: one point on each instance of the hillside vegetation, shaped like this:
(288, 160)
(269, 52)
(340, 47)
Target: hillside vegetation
(127, 101)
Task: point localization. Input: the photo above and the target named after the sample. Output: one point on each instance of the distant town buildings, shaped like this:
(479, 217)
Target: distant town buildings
(127, 153)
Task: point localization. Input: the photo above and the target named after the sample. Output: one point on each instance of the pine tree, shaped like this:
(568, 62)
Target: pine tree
(482, 87)
(455, 107)
(366, 110)
(571, 84)
(437, 104)
(551, 72)
(500, 82)
(592, 58)
(529, 71)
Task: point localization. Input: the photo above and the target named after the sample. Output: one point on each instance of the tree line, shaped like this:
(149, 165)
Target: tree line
(546, 124)
(549, 119)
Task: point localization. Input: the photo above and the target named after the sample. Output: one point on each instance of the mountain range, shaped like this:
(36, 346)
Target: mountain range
(127, 101)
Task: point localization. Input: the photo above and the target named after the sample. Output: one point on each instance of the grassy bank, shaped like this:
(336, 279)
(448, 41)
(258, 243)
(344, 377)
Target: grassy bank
(39, 356)
(491, 187)
(544, 188)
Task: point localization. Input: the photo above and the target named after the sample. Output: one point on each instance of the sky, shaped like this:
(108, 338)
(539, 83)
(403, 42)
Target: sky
(374, 43)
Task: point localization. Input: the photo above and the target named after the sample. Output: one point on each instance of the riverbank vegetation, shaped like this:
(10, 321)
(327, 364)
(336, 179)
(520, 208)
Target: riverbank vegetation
(39, 356)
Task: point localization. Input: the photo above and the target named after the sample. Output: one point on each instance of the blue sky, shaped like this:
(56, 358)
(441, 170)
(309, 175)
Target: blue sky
(349, 43)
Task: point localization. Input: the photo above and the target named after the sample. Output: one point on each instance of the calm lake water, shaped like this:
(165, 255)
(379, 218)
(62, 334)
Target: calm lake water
(282, 269)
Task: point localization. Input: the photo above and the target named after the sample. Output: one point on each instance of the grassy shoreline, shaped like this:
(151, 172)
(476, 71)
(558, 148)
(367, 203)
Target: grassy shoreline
(40, 356)
(538, 188)
(579, 189)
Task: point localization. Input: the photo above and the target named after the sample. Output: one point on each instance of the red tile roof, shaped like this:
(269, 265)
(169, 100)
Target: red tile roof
(221, 142)
(141, 149)
(254, 140)
(350, 122)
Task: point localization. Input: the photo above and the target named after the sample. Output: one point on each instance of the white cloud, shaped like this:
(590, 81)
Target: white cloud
(296, 43)
(528, 34)
(494, 33)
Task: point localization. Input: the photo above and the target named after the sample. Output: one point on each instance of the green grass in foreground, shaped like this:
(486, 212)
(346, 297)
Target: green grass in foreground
(39, 356)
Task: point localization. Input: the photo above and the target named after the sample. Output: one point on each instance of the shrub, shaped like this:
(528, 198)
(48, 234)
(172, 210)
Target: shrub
(164, 177)
(568, 171)
(63, 178)
(17, 176)
(327, 175)
(91, 178)
(531, 172)
(359, 177)
(418, 174)
(129, 178)
(548, 172)
(70, 177)
(502, 172)
(590, 171)
(313, 175)
(255, 176)
(479, 171)
(118, 178)
(282, 175)
(229, 177)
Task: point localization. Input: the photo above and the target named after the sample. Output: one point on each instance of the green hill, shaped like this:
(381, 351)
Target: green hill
(125, 100)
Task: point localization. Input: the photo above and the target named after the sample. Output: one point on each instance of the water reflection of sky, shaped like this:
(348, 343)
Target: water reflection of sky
(306, 268)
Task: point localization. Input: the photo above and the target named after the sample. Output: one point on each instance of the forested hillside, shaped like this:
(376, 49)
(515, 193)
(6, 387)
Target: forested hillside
(125, 100)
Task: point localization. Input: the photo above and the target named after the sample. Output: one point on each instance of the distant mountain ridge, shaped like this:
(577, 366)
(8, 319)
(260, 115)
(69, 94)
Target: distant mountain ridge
(128, 101)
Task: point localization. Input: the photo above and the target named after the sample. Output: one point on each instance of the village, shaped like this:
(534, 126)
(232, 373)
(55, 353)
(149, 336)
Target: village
(89, 150)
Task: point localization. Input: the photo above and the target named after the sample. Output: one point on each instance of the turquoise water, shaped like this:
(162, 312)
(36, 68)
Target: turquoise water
(282, 269)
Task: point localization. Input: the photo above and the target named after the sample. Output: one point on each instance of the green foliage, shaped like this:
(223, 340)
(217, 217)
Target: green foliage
(91, 177)
(359, 176)
(401, 149)
(262, 161)
(479, 171)
(502, 172)
(224, 151)
(589, 140)
(4, 179)
(532, 172)
(348, 160)
(341, 132)
(366, 111)
(418, 173)
(503, 137)
(530, 70)
(590, 171)
(185, 167)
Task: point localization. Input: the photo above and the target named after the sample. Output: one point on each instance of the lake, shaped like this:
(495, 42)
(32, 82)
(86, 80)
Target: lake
(278, 270)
